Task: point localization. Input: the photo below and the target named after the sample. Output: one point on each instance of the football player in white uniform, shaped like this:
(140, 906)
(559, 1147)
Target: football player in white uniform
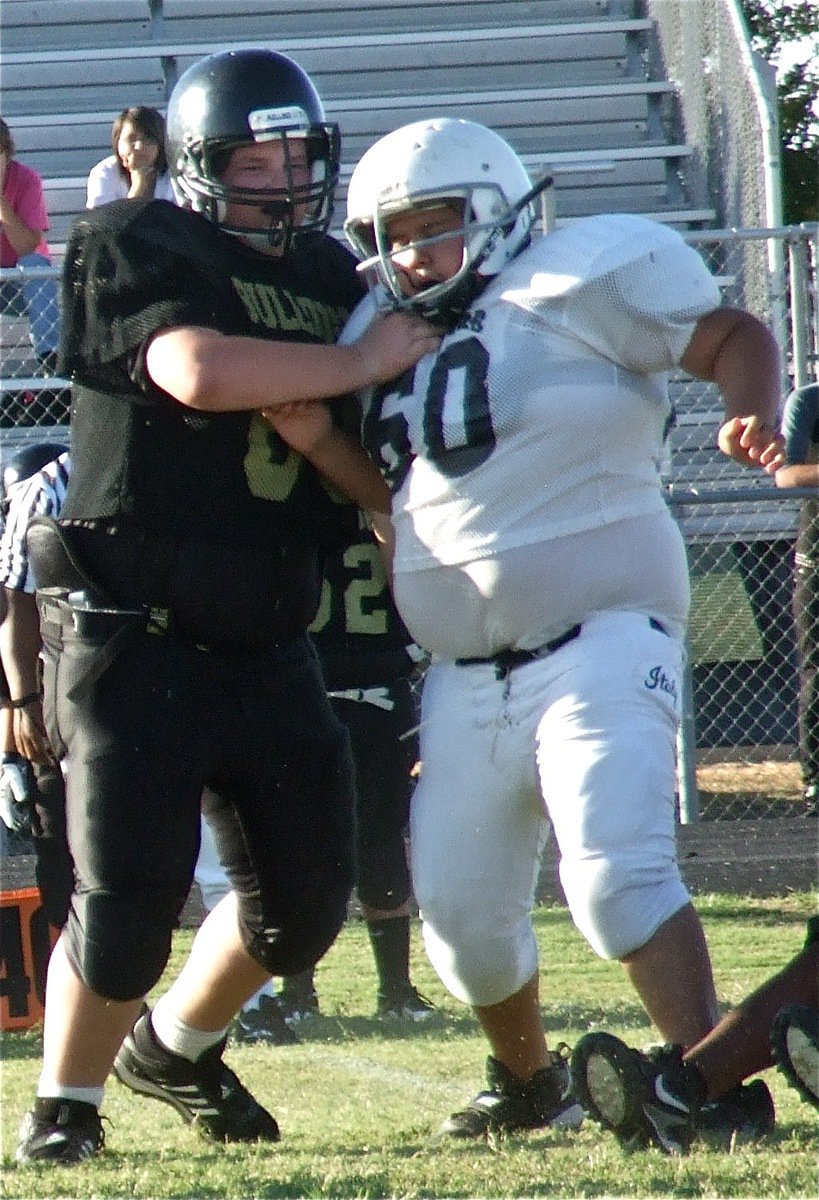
(536, 560)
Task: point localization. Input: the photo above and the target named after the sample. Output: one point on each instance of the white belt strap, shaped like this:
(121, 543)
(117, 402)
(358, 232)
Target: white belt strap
(378, 696)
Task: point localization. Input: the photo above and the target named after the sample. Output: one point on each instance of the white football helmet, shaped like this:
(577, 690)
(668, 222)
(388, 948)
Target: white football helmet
(442, 159)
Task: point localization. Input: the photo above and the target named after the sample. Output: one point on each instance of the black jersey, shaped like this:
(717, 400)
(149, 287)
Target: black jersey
(360, 638)
(239, 516)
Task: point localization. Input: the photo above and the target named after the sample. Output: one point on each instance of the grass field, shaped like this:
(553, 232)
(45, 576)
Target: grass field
(359, 1101)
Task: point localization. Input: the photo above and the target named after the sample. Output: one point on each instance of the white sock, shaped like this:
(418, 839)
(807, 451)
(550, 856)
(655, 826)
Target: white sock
(61, 1091)
(180, 1038)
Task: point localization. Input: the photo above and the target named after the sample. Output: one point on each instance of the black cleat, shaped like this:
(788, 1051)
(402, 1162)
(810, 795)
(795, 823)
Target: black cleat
(795, 1045)
(655, 1098)
(509, 1104)
(298, 998)
(205, 1093)
(264, 1022)
(404, 1004)
(643, 1099)
(746, 1113)
(60, 1131)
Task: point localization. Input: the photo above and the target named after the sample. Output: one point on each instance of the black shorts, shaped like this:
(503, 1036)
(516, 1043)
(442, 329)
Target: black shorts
(163, 720)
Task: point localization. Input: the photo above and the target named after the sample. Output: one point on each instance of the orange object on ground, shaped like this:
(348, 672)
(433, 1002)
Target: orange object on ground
(26, 939)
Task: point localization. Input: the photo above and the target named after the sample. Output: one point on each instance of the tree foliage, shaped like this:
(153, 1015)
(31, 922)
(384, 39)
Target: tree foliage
(773, 24)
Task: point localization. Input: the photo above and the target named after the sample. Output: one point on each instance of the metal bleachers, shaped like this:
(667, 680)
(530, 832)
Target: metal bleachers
(570, 83)
(37, 25)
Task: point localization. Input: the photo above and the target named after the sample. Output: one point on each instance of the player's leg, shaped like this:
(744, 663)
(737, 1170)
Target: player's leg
(384, 758)
(280, 764)
(132, 830)
(54, 866)
(740, 1044)
(672, 975)
(608, 752)
(607, 767)
(476, 835)
(261, 1018)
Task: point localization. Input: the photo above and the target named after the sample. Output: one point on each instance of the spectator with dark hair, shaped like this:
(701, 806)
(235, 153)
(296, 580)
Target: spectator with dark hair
(23, 223)
(138, 167)
(800, 426)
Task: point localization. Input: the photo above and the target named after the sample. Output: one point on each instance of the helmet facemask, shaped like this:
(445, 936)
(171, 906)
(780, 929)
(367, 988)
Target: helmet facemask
(443, 302)
(435, 161)
(493, 231)
(294, 211)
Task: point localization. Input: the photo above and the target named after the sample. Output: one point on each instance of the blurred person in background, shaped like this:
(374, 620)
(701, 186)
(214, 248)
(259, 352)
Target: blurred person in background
(138, 167)
(800, 427)
(23, 224)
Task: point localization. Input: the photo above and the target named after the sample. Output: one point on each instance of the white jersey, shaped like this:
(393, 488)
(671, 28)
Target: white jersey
(106, 183)
(541, 418)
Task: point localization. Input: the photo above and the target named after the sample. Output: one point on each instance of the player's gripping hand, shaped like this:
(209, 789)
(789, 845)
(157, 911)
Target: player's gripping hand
(393, 342)
(17, 789)
(749, 441)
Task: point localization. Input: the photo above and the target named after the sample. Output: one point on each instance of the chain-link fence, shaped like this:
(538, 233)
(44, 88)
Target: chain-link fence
(32, 394)
(739, 748)
(739, 744)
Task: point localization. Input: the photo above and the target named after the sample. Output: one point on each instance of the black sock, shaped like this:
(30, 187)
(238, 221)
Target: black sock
(299, 987)
(390, 940)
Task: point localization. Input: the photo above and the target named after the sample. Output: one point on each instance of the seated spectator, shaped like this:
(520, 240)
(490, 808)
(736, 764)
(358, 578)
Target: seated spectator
(23, 222)
(138, 168)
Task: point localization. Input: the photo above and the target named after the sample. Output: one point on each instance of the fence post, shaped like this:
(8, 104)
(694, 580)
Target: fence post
(800, 315)
(687, 748)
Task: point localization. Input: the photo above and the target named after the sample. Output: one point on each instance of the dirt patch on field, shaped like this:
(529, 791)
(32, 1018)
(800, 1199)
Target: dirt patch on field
(749, 781)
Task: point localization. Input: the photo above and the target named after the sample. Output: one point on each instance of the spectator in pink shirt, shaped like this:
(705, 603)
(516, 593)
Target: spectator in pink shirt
(23, 222)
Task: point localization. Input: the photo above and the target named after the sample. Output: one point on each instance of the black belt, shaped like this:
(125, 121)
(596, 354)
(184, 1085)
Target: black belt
(506, 660)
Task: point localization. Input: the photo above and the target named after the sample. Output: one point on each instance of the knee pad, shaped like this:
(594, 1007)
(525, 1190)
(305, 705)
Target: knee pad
(480, 963)
(301, 937)
(119, 944)
(619, 906)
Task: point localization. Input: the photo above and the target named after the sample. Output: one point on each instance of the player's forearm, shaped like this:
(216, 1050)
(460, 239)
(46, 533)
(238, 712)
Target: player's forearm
(217, 373)
(343, 462)
(20, 644)
(798, 475)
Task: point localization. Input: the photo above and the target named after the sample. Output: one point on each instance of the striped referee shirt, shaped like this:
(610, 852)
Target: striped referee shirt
(41, 495)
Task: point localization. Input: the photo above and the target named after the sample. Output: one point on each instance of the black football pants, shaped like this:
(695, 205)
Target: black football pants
(163, 720)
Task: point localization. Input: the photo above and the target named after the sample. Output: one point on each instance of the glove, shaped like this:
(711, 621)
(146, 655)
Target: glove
(17, 791)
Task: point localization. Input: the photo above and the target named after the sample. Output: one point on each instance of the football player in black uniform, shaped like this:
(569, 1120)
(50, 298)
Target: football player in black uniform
(369, 661)
(178, 586)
